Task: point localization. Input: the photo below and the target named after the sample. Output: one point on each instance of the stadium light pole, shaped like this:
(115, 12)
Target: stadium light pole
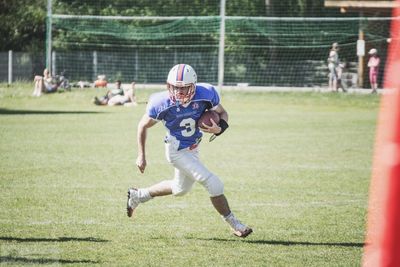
(48, 35)
(221, 46)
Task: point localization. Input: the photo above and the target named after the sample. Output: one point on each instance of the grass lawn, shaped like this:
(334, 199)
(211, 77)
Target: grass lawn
(296, 167)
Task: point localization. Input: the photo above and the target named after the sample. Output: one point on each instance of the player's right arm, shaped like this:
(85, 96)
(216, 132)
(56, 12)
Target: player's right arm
(145, 123)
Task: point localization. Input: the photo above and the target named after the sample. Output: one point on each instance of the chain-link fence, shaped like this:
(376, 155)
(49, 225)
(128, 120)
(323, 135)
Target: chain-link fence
(24, 66)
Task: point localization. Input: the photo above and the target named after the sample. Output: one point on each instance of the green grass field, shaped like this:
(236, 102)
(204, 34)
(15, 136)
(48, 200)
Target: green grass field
(296, 167)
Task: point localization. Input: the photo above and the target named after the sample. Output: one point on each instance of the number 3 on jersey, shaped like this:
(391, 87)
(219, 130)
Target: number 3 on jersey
(190, 127)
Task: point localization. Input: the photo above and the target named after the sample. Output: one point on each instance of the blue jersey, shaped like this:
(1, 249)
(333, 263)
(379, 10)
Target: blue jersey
(181, 121)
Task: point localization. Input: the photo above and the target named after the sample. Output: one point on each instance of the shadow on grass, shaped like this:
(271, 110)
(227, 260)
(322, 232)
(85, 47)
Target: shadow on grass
(285, 243)
(59, 239)
(5, 111)
(11, 259)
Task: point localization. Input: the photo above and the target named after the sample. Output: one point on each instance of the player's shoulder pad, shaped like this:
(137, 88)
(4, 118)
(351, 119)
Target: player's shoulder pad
(205, 91)
(159, 98)
(158, 102)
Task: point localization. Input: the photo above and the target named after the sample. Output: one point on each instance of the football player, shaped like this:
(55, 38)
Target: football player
(179, 108)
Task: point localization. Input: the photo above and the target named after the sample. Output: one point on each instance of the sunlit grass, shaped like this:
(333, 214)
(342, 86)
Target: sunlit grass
(296, 167)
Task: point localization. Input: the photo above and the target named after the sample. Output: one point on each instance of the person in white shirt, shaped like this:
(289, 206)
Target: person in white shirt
(333, 63)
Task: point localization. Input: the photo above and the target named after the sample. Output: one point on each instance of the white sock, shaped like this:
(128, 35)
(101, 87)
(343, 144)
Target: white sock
(228, 217)
(234, 222)
(144, 195)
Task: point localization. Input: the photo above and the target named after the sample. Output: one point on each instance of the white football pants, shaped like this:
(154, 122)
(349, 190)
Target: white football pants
(189, 169)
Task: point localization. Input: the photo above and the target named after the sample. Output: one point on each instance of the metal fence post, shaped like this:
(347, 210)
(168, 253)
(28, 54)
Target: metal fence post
(95, 63)
(221, 45)
(49, 35)
(10, 68)
(53, 63)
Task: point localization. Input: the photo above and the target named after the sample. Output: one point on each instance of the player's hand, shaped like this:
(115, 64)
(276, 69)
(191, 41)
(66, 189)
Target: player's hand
(214, 128)
(141, 163)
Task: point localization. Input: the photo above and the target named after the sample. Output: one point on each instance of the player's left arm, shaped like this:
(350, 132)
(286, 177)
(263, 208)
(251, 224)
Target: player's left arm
(218, 129)
(222, 112)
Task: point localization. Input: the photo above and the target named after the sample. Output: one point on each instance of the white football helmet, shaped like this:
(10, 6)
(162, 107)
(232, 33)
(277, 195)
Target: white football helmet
(181, 83)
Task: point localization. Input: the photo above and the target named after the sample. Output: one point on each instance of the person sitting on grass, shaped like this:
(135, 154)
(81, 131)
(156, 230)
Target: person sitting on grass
(118, 96)
(45, 84)
(101, 81)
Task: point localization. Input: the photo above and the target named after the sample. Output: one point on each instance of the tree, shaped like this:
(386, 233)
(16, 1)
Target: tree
(22, 25)
(23, 22)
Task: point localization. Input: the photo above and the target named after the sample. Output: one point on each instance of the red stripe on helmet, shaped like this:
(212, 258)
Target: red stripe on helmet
(179, 74)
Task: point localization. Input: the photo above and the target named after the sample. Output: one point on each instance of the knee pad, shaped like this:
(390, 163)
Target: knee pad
(214, 186)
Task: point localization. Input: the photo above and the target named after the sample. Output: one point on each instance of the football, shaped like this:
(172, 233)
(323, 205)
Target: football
(206, 116)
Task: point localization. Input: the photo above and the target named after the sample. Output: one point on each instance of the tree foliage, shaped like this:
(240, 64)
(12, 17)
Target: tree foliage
(23, 22)
(22, 25)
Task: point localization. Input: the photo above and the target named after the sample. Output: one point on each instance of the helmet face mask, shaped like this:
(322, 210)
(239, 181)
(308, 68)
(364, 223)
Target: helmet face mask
(181, 83)
(181, 94)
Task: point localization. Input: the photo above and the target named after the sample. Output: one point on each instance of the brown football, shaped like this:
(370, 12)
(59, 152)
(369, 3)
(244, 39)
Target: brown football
(206, 116)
